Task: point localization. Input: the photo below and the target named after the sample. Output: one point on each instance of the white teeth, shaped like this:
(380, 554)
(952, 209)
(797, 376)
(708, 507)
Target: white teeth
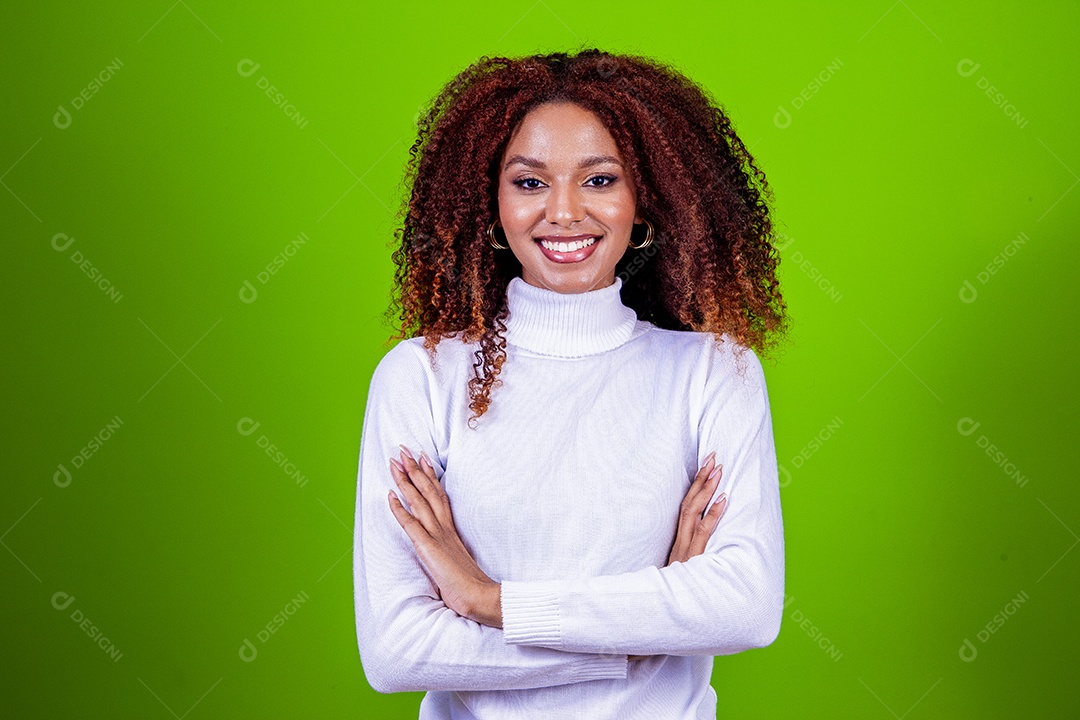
(568, 247)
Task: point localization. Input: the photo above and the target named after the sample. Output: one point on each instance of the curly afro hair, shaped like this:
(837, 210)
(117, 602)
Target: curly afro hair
(711, 268)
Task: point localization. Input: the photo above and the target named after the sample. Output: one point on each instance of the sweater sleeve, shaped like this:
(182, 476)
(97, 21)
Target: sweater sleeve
(724, 601)
(408, 639)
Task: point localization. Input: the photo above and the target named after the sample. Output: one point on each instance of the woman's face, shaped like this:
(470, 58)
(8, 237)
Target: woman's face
(562, 178)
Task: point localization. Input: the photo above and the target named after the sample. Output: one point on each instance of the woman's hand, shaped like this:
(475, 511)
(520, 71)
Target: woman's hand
(695, 525)
(461, 584)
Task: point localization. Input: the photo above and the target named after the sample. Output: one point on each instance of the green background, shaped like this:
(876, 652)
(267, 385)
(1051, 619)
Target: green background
(898, 180)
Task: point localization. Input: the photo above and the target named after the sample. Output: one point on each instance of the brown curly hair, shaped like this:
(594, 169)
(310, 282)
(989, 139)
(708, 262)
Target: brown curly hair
(714, 268)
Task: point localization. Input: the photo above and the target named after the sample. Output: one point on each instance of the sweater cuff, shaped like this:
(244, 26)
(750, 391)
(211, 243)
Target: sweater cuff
(530, 613)
(602, 667)
(530, 616)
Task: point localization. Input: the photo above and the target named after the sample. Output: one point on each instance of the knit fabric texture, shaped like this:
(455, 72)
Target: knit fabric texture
(568, 492)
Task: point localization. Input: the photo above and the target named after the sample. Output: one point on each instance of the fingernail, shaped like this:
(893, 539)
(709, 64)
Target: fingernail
(398, 465)
(406, 450)
(425, 458)
(715, 472)
(709, 457)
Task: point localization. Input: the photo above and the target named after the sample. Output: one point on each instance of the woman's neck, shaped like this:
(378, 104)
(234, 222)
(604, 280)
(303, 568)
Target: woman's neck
(567, 324)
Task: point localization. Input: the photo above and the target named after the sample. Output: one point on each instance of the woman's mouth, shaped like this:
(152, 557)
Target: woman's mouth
(568, 249)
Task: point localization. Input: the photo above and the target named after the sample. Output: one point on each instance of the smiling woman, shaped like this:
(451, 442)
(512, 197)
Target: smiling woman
(583, 545)
(565, 197)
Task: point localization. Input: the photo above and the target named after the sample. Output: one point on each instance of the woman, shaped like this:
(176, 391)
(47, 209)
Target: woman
(585, 271)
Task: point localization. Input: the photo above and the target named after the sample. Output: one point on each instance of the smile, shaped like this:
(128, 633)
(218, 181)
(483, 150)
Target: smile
(562, 251)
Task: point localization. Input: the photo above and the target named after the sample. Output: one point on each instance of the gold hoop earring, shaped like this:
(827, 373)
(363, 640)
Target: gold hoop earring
(491, 237)
(648, 236)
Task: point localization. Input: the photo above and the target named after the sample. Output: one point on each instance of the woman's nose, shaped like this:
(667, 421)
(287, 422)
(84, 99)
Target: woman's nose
(564, 205)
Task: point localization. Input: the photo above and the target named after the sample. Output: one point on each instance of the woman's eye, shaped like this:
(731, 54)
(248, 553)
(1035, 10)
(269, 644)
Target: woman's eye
(609, 179)
(596, 181)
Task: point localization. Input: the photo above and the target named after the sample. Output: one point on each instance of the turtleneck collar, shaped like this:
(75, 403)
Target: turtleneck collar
(567, 324)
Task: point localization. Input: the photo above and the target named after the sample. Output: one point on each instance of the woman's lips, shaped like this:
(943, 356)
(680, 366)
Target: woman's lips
(570, 256)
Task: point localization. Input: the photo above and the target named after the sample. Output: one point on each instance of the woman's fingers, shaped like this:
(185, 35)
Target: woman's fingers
(418, 504)
(693, 506)
(701, 478)
(423, 478)
(695, 525)
(459, 582)
(424, 475)
(441, 501)
(413, 528)
(706, 525)
(427, 499)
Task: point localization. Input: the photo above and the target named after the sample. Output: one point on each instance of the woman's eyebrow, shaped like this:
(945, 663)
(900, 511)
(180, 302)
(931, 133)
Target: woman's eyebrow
(587, 162)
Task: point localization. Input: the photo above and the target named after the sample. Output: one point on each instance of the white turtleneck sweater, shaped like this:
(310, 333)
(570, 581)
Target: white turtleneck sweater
(568, 492)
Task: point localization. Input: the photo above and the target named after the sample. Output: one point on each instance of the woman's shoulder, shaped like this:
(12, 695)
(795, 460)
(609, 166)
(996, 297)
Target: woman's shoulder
(707, 357)
(410, 356)
(705, 346)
